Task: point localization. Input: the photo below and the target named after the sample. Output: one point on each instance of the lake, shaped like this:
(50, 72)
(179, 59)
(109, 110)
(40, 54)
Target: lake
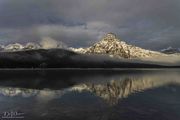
(131, 94)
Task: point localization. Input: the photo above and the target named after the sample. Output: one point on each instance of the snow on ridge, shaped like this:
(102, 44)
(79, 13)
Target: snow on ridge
(28, 46)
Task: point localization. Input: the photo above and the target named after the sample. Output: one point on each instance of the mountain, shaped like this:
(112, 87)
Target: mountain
(106, 53)
(60, 58)
(13, 47)
(170, 50)
(29, 46)
(114, 47)
(109, 45)
(19, 47)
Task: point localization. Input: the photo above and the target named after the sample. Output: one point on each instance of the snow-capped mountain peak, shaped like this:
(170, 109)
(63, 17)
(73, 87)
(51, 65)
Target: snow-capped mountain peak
(31, 46)
(111, 45)
(114, 47)
(13, 47)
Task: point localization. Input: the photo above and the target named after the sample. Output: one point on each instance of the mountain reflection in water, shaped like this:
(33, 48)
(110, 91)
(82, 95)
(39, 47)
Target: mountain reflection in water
(138, 94)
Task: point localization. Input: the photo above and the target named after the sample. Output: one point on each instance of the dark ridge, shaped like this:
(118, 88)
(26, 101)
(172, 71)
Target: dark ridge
(60, 58)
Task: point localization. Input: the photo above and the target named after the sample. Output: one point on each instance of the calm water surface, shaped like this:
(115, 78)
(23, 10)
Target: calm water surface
(90, 95)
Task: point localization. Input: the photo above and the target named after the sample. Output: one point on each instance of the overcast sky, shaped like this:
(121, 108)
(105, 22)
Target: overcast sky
(152, 24)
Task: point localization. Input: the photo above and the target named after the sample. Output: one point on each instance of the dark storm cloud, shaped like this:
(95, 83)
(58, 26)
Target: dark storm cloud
(151, 24)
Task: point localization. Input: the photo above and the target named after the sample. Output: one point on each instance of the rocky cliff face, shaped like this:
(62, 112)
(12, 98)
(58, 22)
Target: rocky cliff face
(114, 47)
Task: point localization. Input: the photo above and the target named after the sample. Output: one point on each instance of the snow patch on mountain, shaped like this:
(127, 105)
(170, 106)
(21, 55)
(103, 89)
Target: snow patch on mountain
(31, 46)
(13, 47)
(44, 44)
